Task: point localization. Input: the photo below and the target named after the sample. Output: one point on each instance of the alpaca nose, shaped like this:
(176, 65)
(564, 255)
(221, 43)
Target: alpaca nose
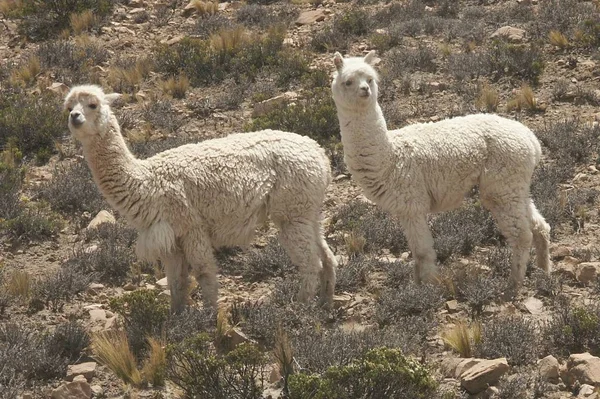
(364, 91)
(76, 118)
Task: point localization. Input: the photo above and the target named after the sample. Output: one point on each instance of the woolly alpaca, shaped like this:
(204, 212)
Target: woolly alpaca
(428, 168)
(189, 200)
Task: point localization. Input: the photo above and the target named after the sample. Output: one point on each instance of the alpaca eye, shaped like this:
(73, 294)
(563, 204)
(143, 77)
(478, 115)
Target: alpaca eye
(93, 106)
(370, 81)
(348, 82)
(69, 109)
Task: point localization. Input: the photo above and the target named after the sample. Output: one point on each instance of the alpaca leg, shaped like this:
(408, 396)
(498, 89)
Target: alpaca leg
(327, 273)
(420, 242)
(298, 239)
(199, 253)
(514, 221)
(541, 238)
(177, 278)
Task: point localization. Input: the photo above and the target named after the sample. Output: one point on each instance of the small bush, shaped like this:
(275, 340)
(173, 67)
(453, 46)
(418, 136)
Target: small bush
(582, 140)
(270, 261)
(513, 337)
(315, 116)
(479, 289)
(175, 87)
(32, 225)
(112, 257)
(355, 273)
(488, 99)
(546, 193)
(460, 231)
(211, 24)
(379, 229)
(44, 19)
(72, 60)
(162, 115)
(69, 340)
(523, 62)
(573, 329)
(11, 180)
(189, 322)
(409, 300)
(30, 123)
(381, 372)
(72, 189)
(145, 313)
(404, 60)
(196, 368)
(57, 289)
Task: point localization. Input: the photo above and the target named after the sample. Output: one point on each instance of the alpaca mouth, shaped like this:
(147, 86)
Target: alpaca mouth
(364, 94)
(76, 122)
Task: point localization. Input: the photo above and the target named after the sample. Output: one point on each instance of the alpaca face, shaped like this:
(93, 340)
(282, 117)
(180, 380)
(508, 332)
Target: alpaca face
(354, 84)
(88, 108)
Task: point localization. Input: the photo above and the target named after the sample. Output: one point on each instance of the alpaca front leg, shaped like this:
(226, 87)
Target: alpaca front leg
(327, 274)
(177, 278)
(199, 254)
(420, 242)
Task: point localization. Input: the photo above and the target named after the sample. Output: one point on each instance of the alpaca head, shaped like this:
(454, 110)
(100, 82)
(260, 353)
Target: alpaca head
(354, 83)
(89, 111)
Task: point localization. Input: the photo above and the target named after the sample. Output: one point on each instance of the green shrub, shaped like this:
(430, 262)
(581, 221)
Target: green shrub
(30, 123)
(380, 373)
(145, 313)
(315, 116)
(32, 225)
(574, 329)
(523, 62)
(196, 368)
(42, 19)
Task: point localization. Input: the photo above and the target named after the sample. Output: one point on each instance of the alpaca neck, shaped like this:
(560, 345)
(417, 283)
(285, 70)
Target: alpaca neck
(116, 171)
(368, 151)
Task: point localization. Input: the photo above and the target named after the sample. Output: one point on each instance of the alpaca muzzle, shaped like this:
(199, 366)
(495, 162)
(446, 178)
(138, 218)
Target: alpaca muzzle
(76, 119)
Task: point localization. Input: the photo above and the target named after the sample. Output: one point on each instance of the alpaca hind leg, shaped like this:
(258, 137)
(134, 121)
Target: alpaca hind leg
(200, 255)
(420, 242)
(327, 274)
(541, 238)
(513, 218)
(177, 278)
(298, 240)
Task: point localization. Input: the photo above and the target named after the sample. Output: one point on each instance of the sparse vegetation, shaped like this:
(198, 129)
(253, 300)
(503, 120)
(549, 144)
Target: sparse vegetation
(112, 349)
(514, 337)
(463, 338)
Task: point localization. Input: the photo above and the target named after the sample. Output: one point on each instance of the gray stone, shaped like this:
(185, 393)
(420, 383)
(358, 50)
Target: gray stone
(510, 33)
(587, 272)
(310, 17)
(584, 368)
(73, 390)
(477, 378)
(548, 368)
(87, 370)
(101, 217)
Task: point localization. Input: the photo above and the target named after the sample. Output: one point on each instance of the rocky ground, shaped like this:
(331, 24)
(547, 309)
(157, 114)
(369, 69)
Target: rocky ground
(67, 269)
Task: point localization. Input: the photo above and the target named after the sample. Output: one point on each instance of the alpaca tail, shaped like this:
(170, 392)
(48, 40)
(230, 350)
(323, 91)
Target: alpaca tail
(541, 238)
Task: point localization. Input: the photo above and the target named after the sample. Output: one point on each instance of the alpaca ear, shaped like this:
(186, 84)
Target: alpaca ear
(371, 57)
(110, 98)
(338, 60)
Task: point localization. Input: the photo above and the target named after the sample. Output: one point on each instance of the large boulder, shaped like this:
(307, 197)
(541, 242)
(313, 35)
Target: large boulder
(479, 377)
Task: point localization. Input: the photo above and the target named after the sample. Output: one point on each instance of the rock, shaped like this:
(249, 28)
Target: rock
(310, 17)
(275, 375)
(95, 288)
(236, 337)
(189, 9)
(510, 33)
(162, 283)
(97, 390)
(585, 390)
(129, 287)
(477, 378)
(548, 368)
(567, 267)
(80, 378)
(87, 370)
(533, 305)
(560, 252)
(583, 368)
(341, 300)
(98, 315)
(454, 367)
(266, 106)
(73, 390)
(587, 272)
(58, 88)
(452, 306)
(101, 217)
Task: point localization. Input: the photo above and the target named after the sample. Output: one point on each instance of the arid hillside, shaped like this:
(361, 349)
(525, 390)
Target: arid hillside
(81, 316)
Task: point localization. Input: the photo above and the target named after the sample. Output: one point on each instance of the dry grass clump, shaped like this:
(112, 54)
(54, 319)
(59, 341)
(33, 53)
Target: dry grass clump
(525, 100)
(26, 74)
(82, 22)
(154, 370)
(488, 99)
(558, 39)
(175, 87)
(112, 349)
(19, 284)
(229, 40)
(128, 77)
(203, 8)
(463, 338)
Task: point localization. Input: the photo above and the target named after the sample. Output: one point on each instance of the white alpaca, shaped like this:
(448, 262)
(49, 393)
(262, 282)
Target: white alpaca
(189, 200)
(429, 167)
